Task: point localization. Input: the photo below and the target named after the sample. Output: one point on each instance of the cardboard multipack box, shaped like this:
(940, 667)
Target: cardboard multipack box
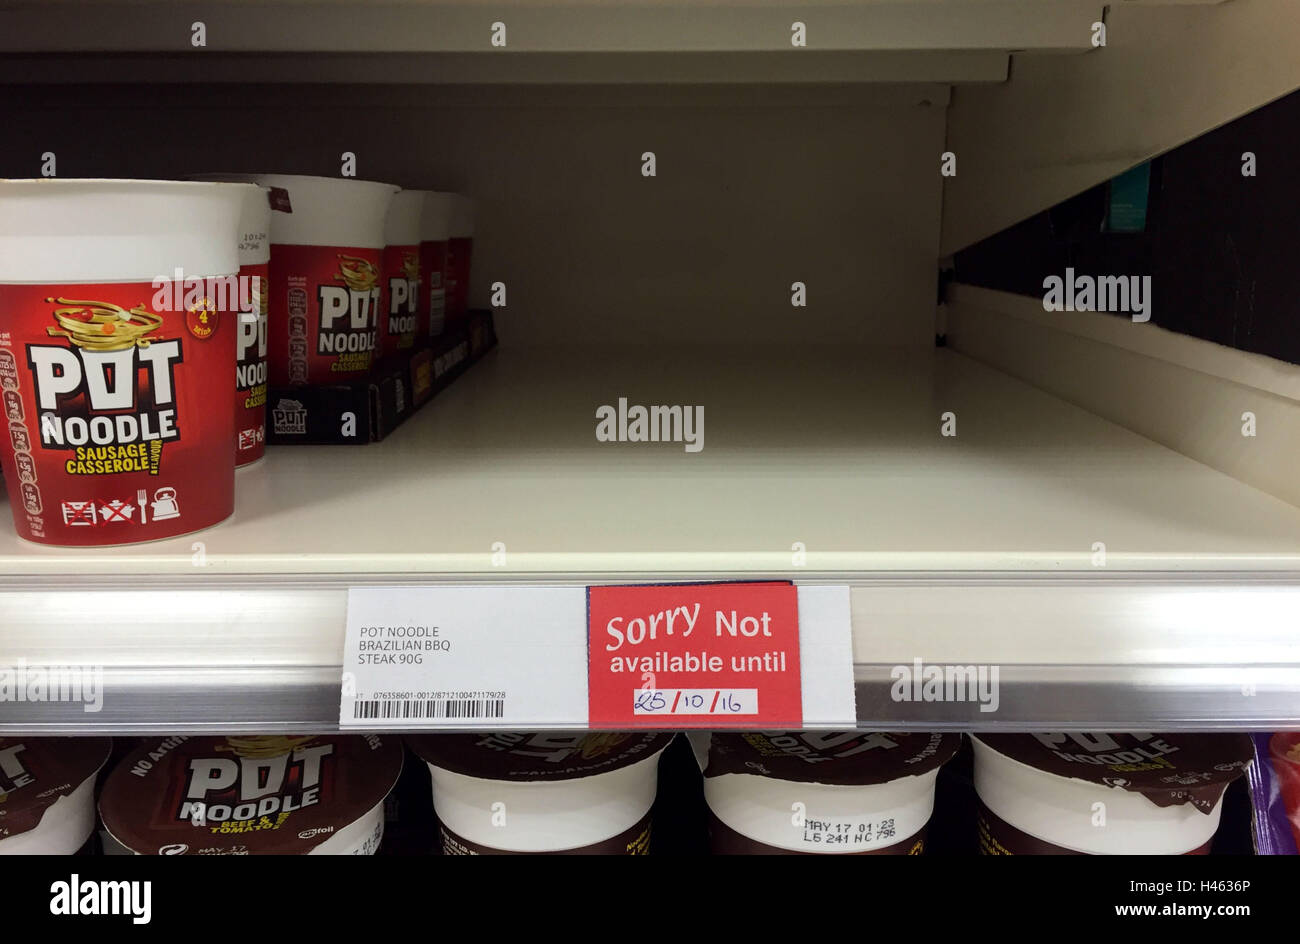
(367, 411)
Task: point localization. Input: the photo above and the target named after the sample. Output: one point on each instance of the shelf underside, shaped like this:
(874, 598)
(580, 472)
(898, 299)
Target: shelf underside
(474, 26)
(574, 41)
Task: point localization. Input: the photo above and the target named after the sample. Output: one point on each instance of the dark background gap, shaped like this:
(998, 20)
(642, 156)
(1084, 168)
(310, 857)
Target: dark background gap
(1221, 249)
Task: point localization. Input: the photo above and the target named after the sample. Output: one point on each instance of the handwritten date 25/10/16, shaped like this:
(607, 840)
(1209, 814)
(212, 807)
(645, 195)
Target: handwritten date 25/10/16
(695, 701)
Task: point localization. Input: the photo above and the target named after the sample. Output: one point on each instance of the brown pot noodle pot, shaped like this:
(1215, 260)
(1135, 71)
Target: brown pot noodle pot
(251, 795)
(820, 792)
(537, 792)
(1133, 794)
(47, 793)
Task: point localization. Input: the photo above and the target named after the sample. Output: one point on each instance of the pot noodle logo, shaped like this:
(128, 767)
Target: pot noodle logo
(90, 394)
(597, 745)
(813, 747)
(411, 266)
(349, 313)
(552, 748)
(403, 295)
(251, 367)
(267, 779)
(13, 775)
(1103, 750)
(289, 418)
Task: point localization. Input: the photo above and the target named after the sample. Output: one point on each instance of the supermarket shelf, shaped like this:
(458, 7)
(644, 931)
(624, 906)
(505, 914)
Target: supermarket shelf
(1030, 143)
(432, 70)
(1136, 653)
(502, 477)
(1183, 392)
(575, 42)
(1031, 698)
(973, 550)
(547, 26)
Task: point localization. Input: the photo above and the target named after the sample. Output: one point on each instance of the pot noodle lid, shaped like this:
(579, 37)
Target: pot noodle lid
(35, 773)
(1168, 769)
(839, 758)
(536, 755)
(246, 795)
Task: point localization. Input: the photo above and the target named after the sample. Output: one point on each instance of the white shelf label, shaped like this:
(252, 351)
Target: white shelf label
(517, 657)
(826, 658)
(465, 657)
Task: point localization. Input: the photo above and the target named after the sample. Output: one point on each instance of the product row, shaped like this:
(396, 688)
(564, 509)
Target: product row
(561, 793)
(127, 305)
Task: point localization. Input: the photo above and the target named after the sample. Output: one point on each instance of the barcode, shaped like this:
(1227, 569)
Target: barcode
(450, 708)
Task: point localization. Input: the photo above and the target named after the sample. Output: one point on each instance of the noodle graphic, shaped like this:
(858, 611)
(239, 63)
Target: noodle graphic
(265, 746)
(360, 274)
(103, 326)
(593, 745)
(411, 266)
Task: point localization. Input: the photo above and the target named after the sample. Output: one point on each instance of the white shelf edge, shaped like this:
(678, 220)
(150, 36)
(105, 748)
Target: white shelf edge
(819, 68)
(269, 659)
(1167, 75)
(1263, 373)
(582, 27)
(1190, 395)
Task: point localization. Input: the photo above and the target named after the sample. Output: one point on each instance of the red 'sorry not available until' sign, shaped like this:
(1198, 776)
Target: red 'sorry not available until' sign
(694, 655)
